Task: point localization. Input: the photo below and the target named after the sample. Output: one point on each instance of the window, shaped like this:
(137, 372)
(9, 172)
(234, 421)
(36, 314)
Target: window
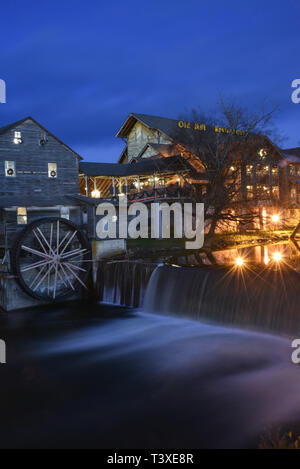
(291, 170)
(65, 213)
(52, 170)
(21, 216)
(262, 153)
(275, 192)
(266, 170)
(10, 168)
(293, 193)
(259, 170)
(17, 137)
(250, 192)
(249, 170)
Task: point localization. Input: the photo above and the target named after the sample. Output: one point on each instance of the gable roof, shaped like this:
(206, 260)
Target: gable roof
(160, 148)
(9, 127)
(292, 151)
(146, 166)
(165, 125)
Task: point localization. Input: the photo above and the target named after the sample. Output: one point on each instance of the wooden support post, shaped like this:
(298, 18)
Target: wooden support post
(114, 186)
(86, 186)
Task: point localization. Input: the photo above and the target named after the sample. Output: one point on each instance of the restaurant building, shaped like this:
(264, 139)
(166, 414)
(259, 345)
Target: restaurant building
(156, 162)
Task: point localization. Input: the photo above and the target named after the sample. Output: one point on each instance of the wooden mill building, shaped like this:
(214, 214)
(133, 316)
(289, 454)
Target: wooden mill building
(49, 195)
(270, 176)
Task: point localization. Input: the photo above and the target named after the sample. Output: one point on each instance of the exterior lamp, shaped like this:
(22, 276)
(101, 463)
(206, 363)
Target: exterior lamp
(275, 218)
(95, 194)
(277, 256)
(239, 261)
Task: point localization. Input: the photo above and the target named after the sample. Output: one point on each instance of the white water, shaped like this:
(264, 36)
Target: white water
(265, 300)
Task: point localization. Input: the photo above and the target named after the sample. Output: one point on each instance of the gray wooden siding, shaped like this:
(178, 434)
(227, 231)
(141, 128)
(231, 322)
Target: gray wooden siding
(139, 136)
(31, 183)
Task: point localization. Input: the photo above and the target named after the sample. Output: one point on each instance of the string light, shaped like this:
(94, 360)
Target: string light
(239, 261)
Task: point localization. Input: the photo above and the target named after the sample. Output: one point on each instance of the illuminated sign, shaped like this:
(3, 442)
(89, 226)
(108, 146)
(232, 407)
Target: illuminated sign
(204, 127)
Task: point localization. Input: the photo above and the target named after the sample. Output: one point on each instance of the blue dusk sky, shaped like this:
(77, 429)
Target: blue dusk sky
(80, 68)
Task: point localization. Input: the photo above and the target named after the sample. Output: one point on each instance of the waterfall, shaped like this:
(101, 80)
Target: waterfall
(267, 299)
(123, 282)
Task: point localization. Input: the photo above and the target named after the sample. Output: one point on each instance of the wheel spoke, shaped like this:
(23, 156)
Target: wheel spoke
(51, 235)
(64, 238)
(34, 265)
(67, 277)
(48, 272)
(55, 280)
(51, 252)
(35, 251)
(76, 276)
(61, 277)
(57, 238)
(76, 252)
(40, 242)
(75, 266)
(37, 276)
(67, 244)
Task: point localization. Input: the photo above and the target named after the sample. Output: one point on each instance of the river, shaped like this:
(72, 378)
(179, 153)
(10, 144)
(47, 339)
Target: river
(84, 375)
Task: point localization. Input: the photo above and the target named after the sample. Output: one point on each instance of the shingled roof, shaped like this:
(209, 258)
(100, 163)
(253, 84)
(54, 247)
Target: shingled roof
(167, 126)
(147, 166)
(292, 151)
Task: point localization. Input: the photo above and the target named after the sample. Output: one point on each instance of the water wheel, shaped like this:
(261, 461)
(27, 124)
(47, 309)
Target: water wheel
(51, 259)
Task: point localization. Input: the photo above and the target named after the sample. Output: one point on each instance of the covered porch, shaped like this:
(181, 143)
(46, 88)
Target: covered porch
(144, 180)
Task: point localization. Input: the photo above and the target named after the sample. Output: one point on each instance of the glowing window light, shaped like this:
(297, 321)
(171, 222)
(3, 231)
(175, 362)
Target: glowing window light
(266, 257)
(239, 261)
(95, 193)
(275, 218)
(262, 152)
(17, 137)
(277, 256)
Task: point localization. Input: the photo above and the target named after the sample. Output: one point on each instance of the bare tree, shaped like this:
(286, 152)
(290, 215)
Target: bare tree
(219, 148)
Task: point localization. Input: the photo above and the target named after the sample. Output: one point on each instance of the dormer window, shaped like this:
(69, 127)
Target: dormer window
(17, 137)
